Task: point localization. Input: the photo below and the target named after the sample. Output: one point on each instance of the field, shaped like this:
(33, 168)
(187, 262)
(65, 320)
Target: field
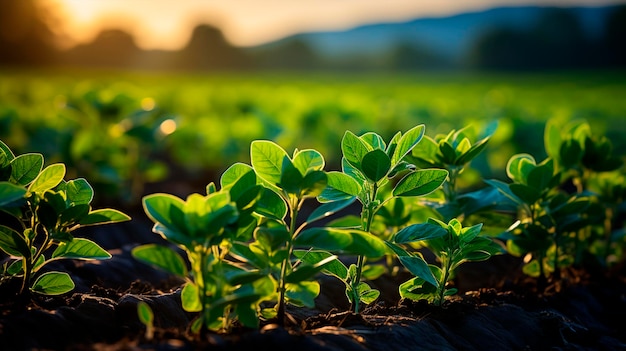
(338, 211)
(124, 130)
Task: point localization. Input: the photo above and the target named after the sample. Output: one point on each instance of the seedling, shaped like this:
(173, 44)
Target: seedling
(146, 317)
(40, 210)
(205, 227)
(293, 180)
(452, 244)
(368, 165)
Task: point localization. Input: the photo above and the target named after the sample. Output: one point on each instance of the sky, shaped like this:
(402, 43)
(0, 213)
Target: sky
(167, 24)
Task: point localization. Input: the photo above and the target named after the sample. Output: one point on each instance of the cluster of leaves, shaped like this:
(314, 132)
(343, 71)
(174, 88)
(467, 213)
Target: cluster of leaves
(39, 212)
(567, 203)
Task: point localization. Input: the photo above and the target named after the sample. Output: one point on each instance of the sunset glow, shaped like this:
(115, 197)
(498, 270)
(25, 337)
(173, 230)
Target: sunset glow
(165, 24)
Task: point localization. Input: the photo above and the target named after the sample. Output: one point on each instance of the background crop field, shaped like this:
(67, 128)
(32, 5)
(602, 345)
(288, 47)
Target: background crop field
(123, 130)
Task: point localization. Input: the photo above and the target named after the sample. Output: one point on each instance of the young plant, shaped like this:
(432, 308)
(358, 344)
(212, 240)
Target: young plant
(368, 165)
(205, 227)
(547, 216)
(39, 212)
(452, 244)
(453, 152)
(294, 180)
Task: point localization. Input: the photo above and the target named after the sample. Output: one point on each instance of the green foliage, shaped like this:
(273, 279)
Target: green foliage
(368, 165)
(146, 317)
(205, 227)
(40, 210)
(451, 243)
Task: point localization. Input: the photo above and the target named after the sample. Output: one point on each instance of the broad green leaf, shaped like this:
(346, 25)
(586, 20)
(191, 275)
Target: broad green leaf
(233, 174)
(53, 283)
(417, 289)
(105, 216)
(10, 193)
(367, 294)
(271, 205)
(73, 214)
(267, 160)
(393, 144)
(448, 153)
(375, 165)
(345, 240)
(420, 182)
(540, 177)
(527, 194)
(334, 267)
(144, 313)
(354, 148)
(468, 234)
(329, 209)
(25, 168)
(7, 151)
(373, 271)
(374, 140)
(407, 142)
(314, 183)
(50, 177)
(190, 297)
(81, 248)
(473, 151)
(552, 139)
(78, 191)
(519, 166)
(419, 268)
(305, 270)
(340, 186)
(272, 238)
(419, 232)
(303, 293)
(13, 243)
(165, 209)
(426, 151)
(504, 189)
(162, 257)
(291, 179)
(308, 160)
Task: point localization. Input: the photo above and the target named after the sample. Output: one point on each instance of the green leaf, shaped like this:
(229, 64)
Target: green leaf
(374, 140)
(13, 243)
(10, 193)
(78, 191)
(329, 209)
(80, 248)
(375, 165)
(314, 183)
(419, 268)
(271, 205)
(305, 271)
(354, 149)
(303, 293)
(267, 160)
(552, 139)
(291, 180)
(234, 173)
(417, 289)
(527, 194)
(345, 240)
(540, 177)
(419, 232)
(340, 186)
(190, 298)
(367, 295)
(7, 151)
(570, 153)
(53, 283)
(162, 257)
(103, 216)
(407, 142)
(308, 160)
(519, 166)
(144, 313)
(50, 177)
(448, 153)
(334, 267)
(165, 209)
(25, 168)
(420, 182)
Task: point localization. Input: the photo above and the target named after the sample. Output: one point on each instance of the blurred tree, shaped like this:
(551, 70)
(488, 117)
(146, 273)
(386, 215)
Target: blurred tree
(25, 37)
(408, 56)
(111, 48)
(208, 49)
(292, 53)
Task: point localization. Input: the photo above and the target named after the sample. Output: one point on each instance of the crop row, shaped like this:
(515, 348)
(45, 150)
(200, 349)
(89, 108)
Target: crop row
(248, 251)
(123, 131)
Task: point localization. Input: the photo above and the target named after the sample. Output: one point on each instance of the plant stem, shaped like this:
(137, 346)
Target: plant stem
(366, 222)
(283, 269)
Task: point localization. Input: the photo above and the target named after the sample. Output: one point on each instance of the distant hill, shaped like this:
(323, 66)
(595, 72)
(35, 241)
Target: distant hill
(449, 37)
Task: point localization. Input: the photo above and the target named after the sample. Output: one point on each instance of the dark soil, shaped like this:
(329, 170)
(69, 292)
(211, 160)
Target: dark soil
(496, 309)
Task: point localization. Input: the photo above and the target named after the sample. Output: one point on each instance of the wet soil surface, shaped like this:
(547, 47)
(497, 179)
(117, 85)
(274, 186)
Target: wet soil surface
(496, 309)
